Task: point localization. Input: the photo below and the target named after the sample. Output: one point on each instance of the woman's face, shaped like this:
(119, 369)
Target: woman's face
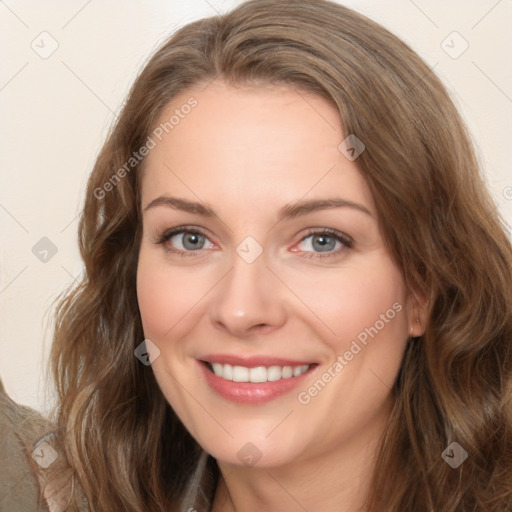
(261, 258)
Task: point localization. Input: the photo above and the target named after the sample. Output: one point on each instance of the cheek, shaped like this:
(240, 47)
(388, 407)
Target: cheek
(166, 294)
(155, 298)
(362, 315)
(353, 302)
(374, 298)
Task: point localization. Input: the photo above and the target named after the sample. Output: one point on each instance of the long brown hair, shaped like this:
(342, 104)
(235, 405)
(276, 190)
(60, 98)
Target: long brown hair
(123, 444)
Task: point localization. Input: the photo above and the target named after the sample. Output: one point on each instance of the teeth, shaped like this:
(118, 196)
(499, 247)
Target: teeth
(274, 373)
(297, 370)
(217, 368)
(258, 373)
(287, 372)
(240, 374)
(227, 371)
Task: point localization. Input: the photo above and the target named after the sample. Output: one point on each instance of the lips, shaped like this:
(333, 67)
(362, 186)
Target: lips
(255, 379)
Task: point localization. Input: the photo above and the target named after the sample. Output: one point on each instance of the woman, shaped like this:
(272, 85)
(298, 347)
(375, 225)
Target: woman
(298, 291)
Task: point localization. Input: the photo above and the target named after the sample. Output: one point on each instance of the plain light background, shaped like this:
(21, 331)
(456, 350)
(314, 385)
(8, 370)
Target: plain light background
(56, 109)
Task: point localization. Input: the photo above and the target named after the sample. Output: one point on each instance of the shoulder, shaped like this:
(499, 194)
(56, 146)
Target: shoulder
(19, 430)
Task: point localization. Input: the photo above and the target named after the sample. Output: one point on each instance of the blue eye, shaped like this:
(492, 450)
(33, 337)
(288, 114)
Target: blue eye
(320, 243)
(327, 241)
(183, 241)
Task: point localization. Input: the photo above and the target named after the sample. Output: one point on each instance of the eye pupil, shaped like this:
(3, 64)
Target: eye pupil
(193, 239)
(325, 243)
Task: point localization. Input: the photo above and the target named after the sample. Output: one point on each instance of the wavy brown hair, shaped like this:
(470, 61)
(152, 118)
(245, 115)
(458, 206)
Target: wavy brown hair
(122, 443)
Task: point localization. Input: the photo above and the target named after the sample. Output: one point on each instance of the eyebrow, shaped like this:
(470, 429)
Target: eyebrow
(288, 211)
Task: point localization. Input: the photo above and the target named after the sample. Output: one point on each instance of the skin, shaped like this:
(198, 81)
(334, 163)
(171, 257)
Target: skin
(246, 152)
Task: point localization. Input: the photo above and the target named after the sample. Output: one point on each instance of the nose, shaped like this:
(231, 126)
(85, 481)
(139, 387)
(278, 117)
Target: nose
(249, 300)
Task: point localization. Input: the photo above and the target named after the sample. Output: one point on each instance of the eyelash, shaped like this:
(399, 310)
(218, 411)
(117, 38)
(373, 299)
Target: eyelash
(346, 241)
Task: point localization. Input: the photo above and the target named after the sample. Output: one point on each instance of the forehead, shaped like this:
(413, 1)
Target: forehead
(252, 144)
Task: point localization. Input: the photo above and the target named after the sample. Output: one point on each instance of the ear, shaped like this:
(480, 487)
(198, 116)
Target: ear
(417, 313)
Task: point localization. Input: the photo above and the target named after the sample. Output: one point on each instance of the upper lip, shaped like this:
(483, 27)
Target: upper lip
(252, 361)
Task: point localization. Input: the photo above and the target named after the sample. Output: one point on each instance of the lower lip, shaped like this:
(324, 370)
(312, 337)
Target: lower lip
(249, 392)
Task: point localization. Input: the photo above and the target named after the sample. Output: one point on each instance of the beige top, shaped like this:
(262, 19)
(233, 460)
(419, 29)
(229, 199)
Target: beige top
(20, 429)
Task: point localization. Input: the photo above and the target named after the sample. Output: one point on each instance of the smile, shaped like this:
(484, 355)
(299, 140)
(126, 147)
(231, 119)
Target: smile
(257, 374)
(253, 380)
